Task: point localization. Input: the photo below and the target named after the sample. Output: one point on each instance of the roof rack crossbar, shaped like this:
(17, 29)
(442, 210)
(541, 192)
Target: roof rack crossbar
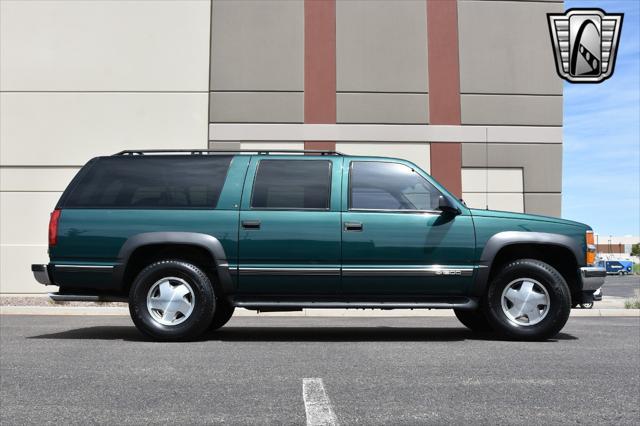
(226, 151)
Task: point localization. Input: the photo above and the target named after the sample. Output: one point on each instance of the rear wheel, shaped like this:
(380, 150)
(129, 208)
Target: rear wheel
(473, 320)
(528, 300)
(222, 315)
(172, 300)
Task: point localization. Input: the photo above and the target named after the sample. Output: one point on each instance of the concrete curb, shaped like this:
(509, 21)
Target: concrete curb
(122, 311)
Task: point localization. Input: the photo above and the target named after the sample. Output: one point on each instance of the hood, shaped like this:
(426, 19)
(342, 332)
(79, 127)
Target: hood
(523, 216)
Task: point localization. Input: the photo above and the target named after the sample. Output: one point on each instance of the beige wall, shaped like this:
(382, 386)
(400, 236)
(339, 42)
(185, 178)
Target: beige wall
(493, 188)
(512, 109)
(256, 107)
(418, 153)
(505, 48)
(257, 61)
(86, 78)
(257, 45)
(381, 46)
(508, 78)
(104, 45)
(256, 145)
(381, 108)
(68, 128)
(505, 58)
(381, 62)
(541, 165)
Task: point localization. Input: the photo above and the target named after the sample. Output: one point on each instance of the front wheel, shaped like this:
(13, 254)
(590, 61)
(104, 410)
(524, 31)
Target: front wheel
(528, 300)
(172, 300)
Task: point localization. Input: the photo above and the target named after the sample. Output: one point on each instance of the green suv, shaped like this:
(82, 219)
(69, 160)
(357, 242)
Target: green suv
(185, 237)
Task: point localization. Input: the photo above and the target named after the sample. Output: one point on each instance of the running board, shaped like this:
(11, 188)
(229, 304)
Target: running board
(58, 297)
(459, 303)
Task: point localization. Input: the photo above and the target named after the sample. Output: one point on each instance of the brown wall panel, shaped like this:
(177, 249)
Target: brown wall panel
(320, 66)
(446, 160)
(444, 89)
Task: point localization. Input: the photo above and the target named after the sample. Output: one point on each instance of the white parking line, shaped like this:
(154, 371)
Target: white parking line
(317, 404)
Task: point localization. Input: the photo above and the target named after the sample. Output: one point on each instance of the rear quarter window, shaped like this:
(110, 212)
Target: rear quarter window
(173, 182)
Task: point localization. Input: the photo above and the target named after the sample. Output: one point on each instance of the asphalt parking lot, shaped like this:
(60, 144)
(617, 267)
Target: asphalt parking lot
(79, 370)
(621, 286)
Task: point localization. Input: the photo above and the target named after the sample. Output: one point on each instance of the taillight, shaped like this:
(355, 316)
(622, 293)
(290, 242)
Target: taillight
(53, 227)
(591, 249)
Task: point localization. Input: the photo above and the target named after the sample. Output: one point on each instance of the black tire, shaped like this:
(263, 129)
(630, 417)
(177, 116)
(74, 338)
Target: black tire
(202, 300)
(474, 320)
(559, 306)
(222, 315)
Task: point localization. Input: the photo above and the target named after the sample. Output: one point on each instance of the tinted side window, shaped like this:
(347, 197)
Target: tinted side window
(389, 186)
(151, 182)
(292, 184)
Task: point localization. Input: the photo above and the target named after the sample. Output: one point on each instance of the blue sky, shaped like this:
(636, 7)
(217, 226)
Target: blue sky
(601, 159)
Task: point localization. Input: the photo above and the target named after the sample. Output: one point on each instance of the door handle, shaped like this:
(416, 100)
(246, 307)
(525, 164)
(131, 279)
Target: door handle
(353, 226)
(251, 224)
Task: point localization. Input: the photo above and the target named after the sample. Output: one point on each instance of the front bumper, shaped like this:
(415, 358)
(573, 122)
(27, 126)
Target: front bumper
(592, 277)
(41, 274)
(597, 295)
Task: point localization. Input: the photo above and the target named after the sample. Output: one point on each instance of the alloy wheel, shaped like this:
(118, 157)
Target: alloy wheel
(170, 301)
(525, 302)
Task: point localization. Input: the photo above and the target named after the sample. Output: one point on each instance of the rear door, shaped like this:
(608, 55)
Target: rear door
(290, 226)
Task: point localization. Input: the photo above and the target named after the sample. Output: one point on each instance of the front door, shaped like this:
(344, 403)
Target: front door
(395, 241)
(290, 226)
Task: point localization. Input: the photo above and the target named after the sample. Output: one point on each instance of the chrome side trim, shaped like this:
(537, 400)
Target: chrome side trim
(288, 271)
(405, 211)
(460, 303)
(75, 268)
(427, 271)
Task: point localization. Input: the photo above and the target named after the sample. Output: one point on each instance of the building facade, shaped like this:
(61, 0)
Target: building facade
(615, 246)
(466, 89)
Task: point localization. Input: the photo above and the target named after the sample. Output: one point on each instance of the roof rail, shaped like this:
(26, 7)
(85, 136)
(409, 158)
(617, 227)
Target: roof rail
(234, 151)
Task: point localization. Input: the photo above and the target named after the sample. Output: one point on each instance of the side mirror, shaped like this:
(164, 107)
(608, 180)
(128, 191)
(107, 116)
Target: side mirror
(446, 206)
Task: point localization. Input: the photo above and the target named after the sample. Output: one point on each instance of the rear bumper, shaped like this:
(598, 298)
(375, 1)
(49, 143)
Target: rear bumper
(41, 274)
(71, 291)
(592, 277)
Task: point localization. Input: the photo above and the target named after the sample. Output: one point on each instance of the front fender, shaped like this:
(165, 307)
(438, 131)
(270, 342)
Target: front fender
(507, 238)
